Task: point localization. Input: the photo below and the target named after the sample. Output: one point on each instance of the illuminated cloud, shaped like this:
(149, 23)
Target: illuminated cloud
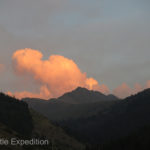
(58, 74)
(91, 82)
(137, 88)
(122, 91)
(1, 67)
(102, 88)
(147, 84)
(44, 93)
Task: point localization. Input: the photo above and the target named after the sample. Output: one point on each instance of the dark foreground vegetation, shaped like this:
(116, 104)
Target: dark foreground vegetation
(15, 114)
(102, 124)
(105, 123)
(17, 121)
(119, 120)
(139, 140)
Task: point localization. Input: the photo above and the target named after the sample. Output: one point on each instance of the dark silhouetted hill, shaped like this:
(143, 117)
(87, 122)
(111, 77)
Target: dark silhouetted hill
(102, 124)
(79, 103)
(83, 95)
(120, 120)
(15, 114)
(17, 121)
(139, 140)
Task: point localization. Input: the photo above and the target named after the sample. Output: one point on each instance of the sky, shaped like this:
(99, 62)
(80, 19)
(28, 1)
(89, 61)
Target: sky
(107, 41)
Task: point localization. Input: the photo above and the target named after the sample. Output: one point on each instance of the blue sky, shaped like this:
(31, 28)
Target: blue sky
(110, 40)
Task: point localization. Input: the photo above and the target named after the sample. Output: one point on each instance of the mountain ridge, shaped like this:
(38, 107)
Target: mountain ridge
(83, 95)
(78, 103)
(76, 96)
(122, 118)
(103, 121)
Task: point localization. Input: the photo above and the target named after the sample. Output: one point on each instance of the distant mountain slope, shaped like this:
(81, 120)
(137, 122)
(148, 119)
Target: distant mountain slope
(83, 95)
(15, 114)
(15, 120)
(56, 135)
(119, 120)
(112, 97)
(76, 104)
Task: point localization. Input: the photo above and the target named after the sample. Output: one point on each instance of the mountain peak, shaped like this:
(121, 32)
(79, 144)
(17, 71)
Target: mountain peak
(111, 96)
(83, 95)
(81, 89)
